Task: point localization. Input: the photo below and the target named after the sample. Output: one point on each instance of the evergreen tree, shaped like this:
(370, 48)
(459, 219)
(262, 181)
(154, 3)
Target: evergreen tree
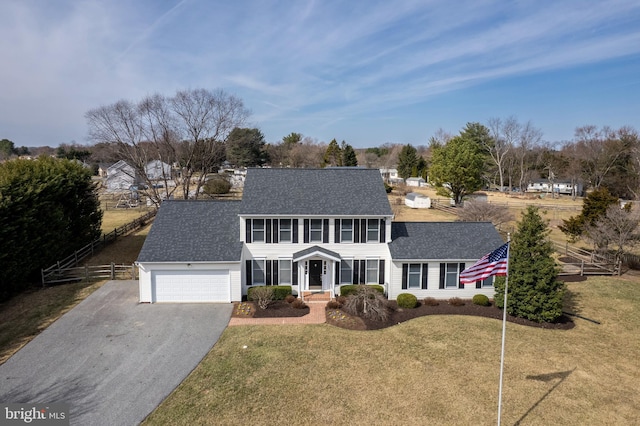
(407, 159)
(246, 147)
(333, 155)
(534, 291)
(594, 207)
(349, 158)
(457, 168)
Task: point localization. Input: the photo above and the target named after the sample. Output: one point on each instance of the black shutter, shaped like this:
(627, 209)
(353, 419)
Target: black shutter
(294, 273)
(363, 272)
(267, 279)
(336, 234)
(276, 235)
(274, 272)
(443, 268)
(363, 231)
(249, 269)
(383, 231)
(460, 269)
(336, 265)
(325, 231)
(306, 230)
(294, 230)
(405, 276)
(356, 230)
(267, 230)
(479, 284)
(425, 271)
(356, 271)
(381, 272)
(248, 237)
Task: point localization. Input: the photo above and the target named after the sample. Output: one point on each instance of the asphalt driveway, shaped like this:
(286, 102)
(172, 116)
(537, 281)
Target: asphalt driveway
(113, 359)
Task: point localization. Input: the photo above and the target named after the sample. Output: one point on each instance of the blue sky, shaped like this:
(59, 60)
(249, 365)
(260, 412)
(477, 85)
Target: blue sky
(367, 72)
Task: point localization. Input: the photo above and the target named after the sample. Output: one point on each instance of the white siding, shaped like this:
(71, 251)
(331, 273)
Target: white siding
(148, 270)
(433, 284)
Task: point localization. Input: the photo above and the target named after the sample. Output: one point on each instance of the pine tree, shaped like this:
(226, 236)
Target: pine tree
(534, 291)
(349, 158)
(333, 155)
(406, 160)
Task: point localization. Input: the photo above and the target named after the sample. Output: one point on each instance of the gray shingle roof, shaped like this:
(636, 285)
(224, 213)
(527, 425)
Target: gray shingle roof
(331, 191)
(443, 240)
(194, 231)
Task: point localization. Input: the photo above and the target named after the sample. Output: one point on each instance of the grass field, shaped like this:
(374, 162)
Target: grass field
(432, 370)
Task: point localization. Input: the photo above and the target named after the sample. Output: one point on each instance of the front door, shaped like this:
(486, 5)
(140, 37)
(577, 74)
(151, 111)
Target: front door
(315, 274)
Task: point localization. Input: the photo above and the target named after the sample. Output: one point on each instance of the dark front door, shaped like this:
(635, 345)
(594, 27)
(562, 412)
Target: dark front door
(315, 273)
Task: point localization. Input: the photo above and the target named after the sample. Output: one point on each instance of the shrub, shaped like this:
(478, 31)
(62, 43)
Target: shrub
(262, 295)
(407, 300)
(347, 290)
(290, 298)
(456, 301)
(388, 188)
(333, 304)
(368, 303)
(481, 299)
(217, 185)
(341, 300)
(299, 304)
(280, 292)
(431, 301)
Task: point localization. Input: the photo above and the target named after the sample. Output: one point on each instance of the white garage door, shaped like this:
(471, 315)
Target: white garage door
(191, 286)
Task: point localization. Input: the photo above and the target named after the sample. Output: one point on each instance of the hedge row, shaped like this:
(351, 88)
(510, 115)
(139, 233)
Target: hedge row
(280, 292)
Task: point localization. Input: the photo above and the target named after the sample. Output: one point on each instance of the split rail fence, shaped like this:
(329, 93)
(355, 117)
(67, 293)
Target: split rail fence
(67, 269)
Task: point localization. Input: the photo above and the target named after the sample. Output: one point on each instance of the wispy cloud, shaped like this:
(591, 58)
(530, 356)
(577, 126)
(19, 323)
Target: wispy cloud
(314, 62)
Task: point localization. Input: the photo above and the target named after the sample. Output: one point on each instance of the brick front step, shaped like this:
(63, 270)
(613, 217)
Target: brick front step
(311, 296)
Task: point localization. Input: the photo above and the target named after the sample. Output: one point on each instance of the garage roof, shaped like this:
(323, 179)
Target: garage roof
(194, 231)
(442, 240)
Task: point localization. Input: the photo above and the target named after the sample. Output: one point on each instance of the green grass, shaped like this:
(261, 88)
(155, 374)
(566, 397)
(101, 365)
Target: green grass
(432, 370)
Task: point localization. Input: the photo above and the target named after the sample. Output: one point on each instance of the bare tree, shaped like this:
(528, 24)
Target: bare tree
(186, 130)
(528, 137)
(599, 150)
(480, 211)
(619, 227)
(503, 137)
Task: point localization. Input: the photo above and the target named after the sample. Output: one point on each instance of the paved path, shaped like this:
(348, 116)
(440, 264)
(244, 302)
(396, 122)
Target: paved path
(112, 359)
(316, 315)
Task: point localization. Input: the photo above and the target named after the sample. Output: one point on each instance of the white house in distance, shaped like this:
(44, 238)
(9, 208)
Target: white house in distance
(120, 176)
(559, 187)
(312, 229)
(157, 170)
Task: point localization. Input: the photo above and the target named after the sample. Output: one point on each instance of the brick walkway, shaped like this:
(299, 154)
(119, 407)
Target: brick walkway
(316, 315)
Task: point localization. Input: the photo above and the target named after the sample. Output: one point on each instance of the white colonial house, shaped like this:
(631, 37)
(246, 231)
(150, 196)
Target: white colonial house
(120, 176)
(559, 187)
(312, 229)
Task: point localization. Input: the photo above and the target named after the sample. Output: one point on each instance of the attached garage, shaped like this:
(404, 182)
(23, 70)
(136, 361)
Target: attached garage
(191, 286)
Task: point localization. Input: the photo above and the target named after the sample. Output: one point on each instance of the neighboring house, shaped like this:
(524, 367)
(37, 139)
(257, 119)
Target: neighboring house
(417, 201)
(559, 187)
(313, 229)
(156, 170)
(389, 175)
(103, 169)
(415, 181)
(120, 176)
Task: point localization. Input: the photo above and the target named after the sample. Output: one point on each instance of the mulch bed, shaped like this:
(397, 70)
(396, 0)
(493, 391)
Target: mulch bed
(398, 315)
(281, 309)
(277, 309)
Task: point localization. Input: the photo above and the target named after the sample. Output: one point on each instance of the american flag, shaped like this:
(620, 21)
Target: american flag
(494, 263)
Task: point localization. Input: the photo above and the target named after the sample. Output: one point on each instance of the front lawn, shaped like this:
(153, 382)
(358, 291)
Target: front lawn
(430, 370)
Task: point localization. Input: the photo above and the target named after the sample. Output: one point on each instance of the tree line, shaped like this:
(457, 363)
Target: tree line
(48, 209)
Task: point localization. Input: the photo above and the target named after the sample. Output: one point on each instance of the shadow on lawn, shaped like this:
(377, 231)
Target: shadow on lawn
(562, 375)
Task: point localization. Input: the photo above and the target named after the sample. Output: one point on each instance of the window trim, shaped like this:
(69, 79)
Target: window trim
(350, 230)
(370, 228)
(290, 230)
(263, 271)
(312, 230)
(289, 261)
(254, 230)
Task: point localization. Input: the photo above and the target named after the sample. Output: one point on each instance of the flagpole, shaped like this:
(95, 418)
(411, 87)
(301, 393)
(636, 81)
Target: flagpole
(504, 329)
